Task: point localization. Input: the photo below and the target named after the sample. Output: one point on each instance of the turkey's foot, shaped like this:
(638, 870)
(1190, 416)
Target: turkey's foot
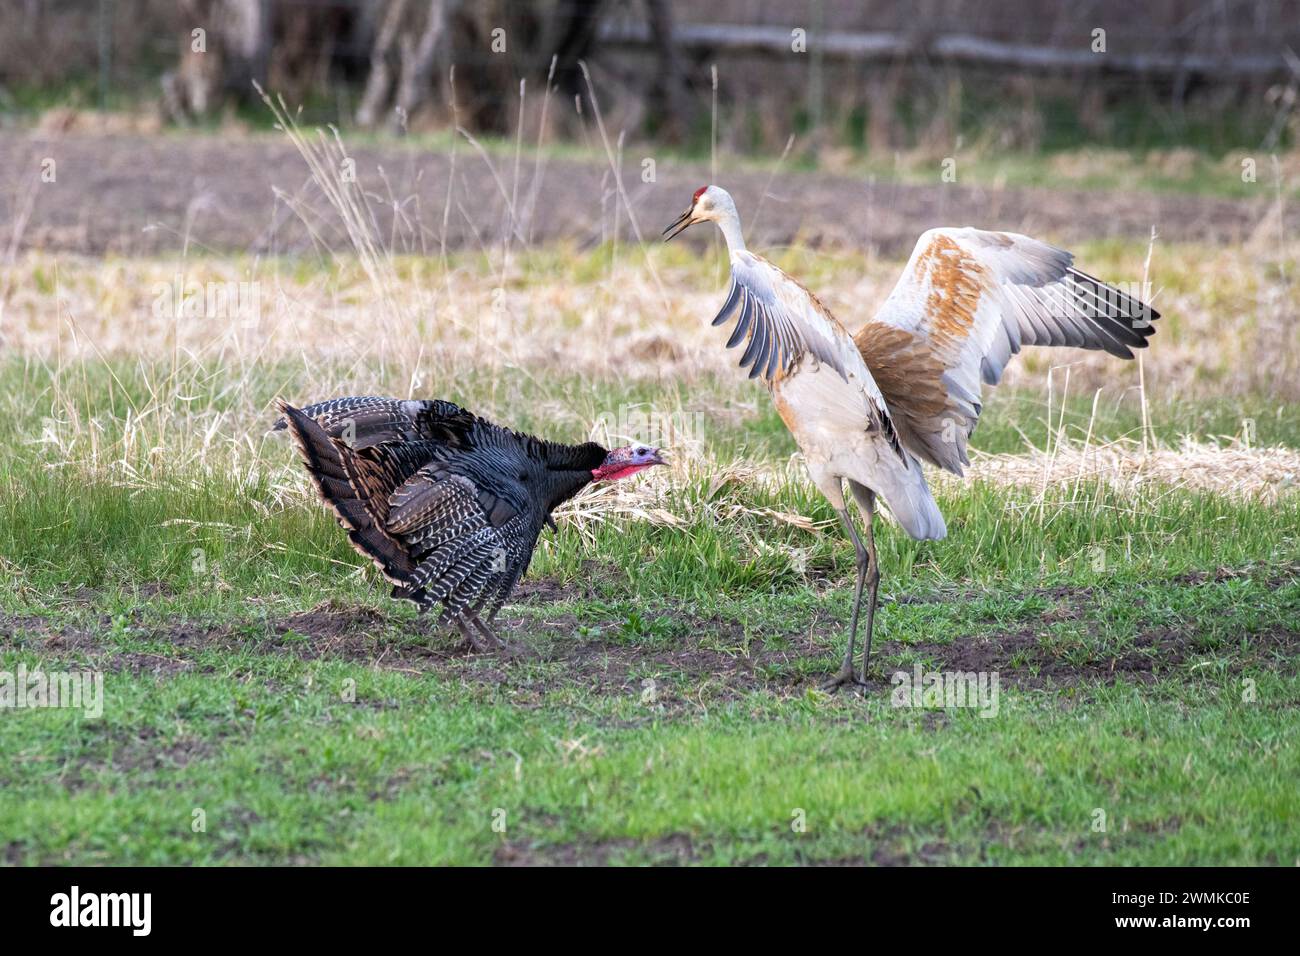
(478, 637)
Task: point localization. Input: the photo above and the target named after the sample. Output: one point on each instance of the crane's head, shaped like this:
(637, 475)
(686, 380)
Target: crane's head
(625, 461)
(709, 204)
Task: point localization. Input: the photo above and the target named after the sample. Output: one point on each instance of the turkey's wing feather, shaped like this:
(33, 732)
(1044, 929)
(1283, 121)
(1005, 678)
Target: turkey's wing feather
(471, 538)
(448, 504)
(438, 491)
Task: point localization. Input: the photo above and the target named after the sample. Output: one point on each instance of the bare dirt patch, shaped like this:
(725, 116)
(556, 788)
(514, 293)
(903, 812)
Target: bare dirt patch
(884, 845)
(1021, 659)
(137, 194)
(92, 647)
(115, 749)
(683, 657)
(541, 655)
(673, 850)
(1069, 597)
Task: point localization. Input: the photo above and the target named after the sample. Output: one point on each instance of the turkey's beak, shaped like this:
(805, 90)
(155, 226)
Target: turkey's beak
(658, 458)
(679, 224)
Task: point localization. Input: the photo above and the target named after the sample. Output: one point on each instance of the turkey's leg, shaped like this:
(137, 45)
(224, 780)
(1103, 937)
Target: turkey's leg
(489, 635)
(472, 637)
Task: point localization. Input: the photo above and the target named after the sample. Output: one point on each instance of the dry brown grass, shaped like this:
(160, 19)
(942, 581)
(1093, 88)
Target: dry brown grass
(1233, 470)
(365, 320)
(619, 312)
(1228, 325)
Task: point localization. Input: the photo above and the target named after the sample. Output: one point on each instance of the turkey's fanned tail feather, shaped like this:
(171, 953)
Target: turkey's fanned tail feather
(339, 477)
(447, 505)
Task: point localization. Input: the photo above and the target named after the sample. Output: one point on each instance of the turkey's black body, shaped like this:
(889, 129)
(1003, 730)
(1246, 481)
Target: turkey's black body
(447, 505)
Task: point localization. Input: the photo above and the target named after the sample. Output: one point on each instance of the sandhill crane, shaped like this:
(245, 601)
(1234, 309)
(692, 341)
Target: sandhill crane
(865, 410)
(447, 505)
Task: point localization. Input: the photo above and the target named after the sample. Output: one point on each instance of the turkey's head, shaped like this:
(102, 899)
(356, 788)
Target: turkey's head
(625, 461)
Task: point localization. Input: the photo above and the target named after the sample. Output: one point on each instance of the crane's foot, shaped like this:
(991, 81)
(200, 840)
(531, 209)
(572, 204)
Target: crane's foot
(845, 678)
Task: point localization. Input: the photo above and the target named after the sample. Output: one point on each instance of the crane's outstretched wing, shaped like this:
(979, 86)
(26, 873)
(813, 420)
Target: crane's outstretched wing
(786, 330)
(967, 301)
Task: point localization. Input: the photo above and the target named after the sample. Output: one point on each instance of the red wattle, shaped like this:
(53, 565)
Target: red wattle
(599, 474)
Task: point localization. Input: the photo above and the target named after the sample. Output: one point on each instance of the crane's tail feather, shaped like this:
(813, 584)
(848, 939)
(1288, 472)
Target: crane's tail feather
(919, 515)
(338, 473)
(909, 500)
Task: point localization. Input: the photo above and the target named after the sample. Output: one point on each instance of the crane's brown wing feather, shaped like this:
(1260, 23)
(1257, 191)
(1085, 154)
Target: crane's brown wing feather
(968, 300)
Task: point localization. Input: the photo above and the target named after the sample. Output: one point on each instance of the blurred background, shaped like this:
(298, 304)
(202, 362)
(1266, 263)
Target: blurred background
(874, 76)
(380, 139)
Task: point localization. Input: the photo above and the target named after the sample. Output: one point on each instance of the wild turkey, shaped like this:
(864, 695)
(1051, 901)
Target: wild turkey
(448, 506)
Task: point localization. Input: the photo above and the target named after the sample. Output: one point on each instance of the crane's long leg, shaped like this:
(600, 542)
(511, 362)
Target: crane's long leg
(846, 674)
(866, 499)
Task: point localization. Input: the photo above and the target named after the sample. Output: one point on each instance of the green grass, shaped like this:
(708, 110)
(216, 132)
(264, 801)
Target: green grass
(417, 771)
(661, 703)
(415, 768)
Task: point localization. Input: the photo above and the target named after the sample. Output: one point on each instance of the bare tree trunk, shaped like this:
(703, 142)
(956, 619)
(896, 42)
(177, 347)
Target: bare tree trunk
(671, 102)
(415, 83)
(578, 24)
(246, 41)
(190, 89)
(379, 82)
(882, 95)
(233, 51)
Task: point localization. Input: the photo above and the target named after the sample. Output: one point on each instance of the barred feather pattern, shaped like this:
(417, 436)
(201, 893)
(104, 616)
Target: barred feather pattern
(967, 302)
(448, 505)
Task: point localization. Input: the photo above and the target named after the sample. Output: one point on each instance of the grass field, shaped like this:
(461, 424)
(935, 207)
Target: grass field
(1124, 556)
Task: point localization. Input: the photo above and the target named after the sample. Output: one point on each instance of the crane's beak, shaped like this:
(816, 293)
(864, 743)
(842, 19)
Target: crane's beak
(679, 224)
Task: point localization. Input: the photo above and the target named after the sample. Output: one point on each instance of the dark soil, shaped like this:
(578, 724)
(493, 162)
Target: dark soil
(675, 849)
(1021, 660)
(543, 654)
(693, 656)
(882, 846)
(134, 750)
(135, 194)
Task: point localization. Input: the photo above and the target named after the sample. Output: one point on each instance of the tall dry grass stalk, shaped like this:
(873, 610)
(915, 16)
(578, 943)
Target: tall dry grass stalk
(1148, 436)
(427, 324)
(386, 312)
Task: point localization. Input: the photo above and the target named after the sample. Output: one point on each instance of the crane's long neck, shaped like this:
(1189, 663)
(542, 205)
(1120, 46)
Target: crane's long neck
(729, 223)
